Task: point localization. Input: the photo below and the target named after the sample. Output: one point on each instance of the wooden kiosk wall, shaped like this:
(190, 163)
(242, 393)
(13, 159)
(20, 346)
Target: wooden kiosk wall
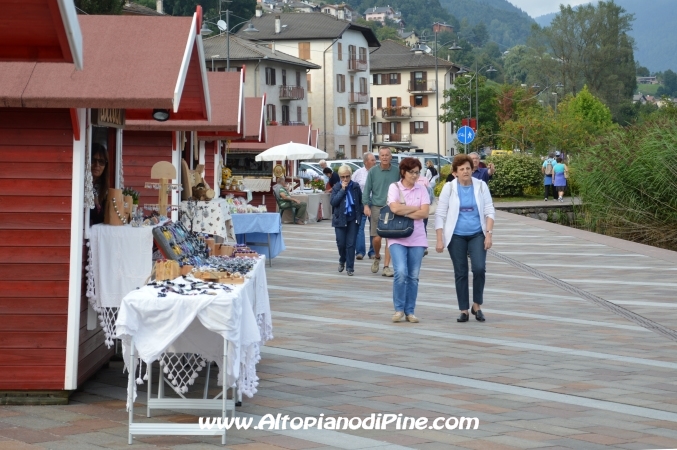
(36, 162)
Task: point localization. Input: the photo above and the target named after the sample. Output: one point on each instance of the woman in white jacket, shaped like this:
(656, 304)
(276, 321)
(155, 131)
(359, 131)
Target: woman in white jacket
(464, 222)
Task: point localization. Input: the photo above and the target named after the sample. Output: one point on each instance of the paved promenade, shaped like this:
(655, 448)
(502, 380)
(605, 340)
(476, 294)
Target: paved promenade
(576, 353)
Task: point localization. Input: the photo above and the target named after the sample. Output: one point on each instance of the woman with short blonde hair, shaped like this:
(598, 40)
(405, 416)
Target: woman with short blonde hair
(346, 200)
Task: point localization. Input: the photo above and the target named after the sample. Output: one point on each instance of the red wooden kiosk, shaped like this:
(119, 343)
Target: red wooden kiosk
(46, 130)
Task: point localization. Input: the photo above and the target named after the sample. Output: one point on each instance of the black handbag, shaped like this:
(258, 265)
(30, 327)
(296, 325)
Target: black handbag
(391, 225)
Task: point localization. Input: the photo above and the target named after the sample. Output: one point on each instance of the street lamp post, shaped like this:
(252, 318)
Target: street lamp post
(225, 27)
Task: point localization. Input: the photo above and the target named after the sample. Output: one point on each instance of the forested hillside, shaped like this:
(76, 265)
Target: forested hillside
(505, 23)
(417, 14)
(653, 31)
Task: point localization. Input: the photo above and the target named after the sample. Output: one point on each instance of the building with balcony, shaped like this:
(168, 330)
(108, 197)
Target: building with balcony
(403, 91)
(349, 13)
(338, 93)
(281, 77)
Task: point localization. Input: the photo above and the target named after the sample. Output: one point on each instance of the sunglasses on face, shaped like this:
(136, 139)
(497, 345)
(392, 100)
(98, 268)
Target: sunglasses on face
(99, 161)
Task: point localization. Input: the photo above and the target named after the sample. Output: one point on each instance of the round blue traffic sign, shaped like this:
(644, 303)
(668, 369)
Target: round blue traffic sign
(465, 135)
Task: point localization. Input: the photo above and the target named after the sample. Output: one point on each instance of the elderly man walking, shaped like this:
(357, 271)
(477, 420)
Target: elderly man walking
(360, 177)
(374, 197)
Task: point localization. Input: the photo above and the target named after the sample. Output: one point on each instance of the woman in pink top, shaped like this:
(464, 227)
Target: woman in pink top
(407, 253)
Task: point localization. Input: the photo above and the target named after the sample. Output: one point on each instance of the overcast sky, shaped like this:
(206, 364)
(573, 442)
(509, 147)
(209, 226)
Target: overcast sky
(537, 8)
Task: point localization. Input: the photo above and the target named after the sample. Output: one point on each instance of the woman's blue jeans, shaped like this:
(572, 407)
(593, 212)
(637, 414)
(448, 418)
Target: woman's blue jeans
(407, 265)
(360, 246)
(345, 241)
(459, 248)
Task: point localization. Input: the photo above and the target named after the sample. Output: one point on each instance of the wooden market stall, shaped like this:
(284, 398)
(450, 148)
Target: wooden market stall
(48, 120)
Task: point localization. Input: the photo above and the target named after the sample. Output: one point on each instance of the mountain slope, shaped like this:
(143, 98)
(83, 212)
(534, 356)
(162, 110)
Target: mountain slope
(653, 30)
(507, 24)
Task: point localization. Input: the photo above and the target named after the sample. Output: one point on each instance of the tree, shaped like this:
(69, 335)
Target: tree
(669, 87)
(100, 6)
(384, 33)
(514, 67)
(592, 46)
(240, 10)
(642, 71)
(458, 104)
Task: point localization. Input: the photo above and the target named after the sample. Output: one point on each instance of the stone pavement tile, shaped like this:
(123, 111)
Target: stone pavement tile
(437, 446)
(27, 435)
(481, 444)
(163, 441)
(31, 422)
(661, 432)
(577, 444)
(255, 446)
(614, 432)
(68, 445)
(83, 426)
(287, 442)
(516, 441)
(542, 427)
(6, 412)
(16, 445)
(532, 435)
(271, 402)
(309, 410)
(599, 439)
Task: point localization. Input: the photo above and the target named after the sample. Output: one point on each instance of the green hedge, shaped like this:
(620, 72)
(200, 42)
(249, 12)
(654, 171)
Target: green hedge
(514, 173)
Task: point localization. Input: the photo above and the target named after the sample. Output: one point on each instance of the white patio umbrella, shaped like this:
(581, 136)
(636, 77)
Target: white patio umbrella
(291, 151)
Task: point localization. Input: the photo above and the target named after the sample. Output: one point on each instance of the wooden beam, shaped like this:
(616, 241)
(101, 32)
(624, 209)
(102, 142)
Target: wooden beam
(76, 124)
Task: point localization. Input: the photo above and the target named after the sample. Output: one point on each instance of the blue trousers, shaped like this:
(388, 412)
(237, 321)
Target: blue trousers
(407, 265)
(459, 248)
(360, 246)
(345, 241)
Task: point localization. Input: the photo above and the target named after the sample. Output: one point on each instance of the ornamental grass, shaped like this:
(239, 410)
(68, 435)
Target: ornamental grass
(628, 184)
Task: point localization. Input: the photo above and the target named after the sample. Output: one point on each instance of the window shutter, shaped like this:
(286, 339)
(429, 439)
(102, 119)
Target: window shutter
(425, 100)
(412, 128)
(399, 101)
(310, 115)
(424, 76)
(272, 72)
(379, 103)
(412, 101)
(339, 51)
(304, 50)
(299, 114)
(399, 78)
(374, 78)
(398, 128)
(343, 114)
(308, 83)
(425, 127)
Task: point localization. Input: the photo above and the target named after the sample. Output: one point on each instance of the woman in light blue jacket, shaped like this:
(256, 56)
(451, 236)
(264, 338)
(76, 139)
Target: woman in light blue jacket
(464, 222)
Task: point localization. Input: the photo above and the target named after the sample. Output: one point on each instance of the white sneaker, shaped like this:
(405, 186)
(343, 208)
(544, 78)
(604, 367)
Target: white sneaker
(399, 315)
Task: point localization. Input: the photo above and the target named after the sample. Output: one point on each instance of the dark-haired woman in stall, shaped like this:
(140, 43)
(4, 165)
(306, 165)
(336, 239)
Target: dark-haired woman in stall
(100, 180)
(464, 222)
(410, 199)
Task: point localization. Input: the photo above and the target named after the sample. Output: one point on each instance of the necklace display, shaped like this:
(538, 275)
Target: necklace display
(188, 287)
(115, 207)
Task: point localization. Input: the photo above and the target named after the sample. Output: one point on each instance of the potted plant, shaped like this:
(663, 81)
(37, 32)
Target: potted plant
(135, 197)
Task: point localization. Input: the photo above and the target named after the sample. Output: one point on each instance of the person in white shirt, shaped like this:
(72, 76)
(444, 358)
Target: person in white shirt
(431, 173)
(360, 177)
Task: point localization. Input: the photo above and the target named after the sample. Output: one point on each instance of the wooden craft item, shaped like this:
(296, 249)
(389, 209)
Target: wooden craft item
(186, 182)
(163, 169)
(218, 277)
(185, 270)
(166, 270)
(211, 245)
(114, 214)
(225, 250)
(129, 202)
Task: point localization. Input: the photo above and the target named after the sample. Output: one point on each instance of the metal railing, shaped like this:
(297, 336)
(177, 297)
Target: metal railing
(291, 123)
(358, 97)
(395, 137)
(422, 86)
(396, 112)
(291, 93)
(359, 130)
(357, 65)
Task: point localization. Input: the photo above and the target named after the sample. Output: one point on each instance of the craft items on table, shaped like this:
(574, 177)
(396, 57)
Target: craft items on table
(199, 187)
(208, 217)
(164, 171)
(238, 205)
(177, 243)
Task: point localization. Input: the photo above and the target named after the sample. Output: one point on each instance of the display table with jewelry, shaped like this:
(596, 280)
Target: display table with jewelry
(262, 232)
(211, 217)
(187, 323)
(318, 209)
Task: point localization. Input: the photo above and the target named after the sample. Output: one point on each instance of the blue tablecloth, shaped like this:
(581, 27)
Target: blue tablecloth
(258, 227)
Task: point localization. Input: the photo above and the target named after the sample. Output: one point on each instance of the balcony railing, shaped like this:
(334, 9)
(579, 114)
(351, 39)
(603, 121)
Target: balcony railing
(396, 112)
(290, 123)
(291, 93)
(358, 97)
(395, 137)
(357, 65)
(359, 130)
(422, 86)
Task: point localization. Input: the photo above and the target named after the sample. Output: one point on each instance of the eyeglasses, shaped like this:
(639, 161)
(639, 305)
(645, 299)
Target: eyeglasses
(99, 161)
(344, 177)
(414, 173)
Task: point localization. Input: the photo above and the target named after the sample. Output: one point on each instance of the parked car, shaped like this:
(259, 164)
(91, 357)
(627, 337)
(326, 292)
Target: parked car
(311, 169)
(353, 163)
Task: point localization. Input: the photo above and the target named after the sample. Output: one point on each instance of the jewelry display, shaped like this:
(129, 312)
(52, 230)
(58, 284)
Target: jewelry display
(115, 207)
(164, 171)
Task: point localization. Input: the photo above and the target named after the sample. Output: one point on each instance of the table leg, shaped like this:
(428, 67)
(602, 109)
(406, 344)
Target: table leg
(150, 388)
(130, 391)
(270, 259)
(224, 387)
(209, 367)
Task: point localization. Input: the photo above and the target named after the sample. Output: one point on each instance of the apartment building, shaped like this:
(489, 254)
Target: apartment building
(349, 13)
(338, 93)
(403, 95)
(281, 77)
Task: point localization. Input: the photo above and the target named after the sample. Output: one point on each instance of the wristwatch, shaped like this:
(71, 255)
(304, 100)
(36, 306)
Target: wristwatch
(490, 231)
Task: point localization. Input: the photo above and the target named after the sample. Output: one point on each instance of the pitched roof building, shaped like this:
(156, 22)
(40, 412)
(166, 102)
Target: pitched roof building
(338, 93)
(405, 94)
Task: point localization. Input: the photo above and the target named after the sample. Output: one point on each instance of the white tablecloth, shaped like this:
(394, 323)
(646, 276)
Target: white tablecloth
(211, 217)
(122, 259)
(198, 324)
